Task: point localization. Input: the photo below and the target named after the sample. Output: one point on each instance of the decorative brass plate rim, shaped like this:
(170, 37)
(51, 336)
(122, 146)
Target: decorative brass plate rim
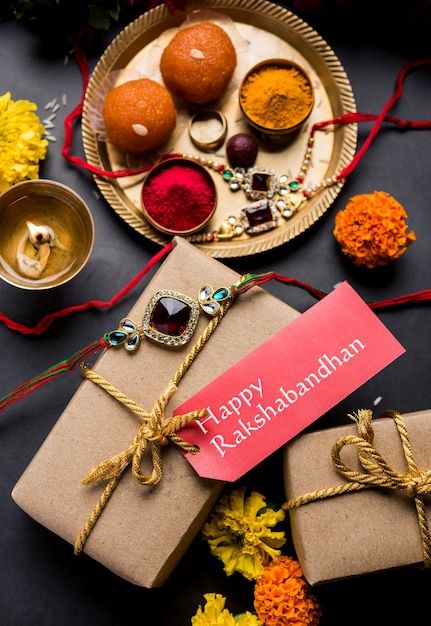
(153, 18)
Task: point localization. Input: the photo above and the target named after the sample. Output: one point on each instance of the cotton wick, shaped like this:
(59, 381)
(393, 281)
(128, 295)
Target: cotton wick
(38, 235)
(42, 239)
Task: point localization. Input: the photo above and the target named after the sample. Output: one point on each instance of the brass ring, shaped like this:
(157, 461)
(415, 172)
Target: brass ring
(216, 142)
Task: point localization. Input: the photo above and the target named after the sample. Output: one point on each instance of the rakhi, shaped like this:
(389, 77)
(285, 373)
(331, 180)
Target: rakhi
(273, 196)
(276, 196)
(170, 318)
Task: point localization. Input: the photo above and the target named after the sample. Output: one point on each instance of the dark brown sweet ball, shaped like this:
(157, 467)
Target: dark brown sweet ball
(241, 150)
(139, 116)
(198, 63)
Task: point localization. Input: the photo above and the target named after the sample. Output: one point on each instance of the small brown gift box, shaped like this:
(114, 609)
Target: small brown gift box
(355, 533)
(143, 531)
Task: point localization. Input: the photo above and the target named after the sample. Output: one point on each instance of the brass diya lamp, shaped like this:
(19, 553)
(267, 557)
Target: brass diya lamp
(46, 234)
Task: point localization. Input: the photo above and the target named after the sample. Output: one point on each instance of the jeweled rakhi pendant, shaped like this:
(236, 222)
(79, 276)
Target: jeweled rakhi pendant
(210, 300)
(259, 183)
(290, 203)
(170, 318)
(259, 217)
(127, 334)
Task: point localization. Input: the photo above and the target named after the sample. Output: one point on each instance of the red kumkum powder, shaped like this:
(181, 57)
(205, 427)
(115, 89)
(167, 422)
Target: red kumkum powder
(178, 197)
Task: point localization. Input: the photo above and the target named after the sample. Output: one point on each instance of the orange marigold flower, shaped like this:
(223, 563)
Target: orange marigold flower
(372, 229)
(281, 596)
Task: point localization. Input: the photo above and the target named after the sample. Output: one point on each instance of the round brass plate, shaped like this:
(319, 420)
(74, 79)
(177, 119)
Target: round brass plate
(273, 30)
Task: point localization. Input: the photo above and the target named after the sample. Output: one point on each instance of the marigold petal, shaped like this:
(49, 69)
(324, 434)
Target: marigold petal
(247, 619)
(214, 613)
(254, 503)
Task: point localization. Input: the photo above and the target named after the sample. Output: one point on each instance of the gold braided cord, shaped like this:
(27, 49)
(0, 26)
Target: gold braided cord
(95, 514)
(115, 393)
(322, 494)
(155, 431)
(415, 482)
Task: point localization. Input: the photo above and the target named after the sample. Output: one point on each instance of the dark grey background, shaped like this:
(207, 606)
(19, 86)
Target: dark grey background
(41, 582)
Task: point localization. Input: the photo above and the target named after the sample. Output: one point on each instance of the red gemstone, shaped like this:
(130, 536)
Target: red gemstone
(260, 181)
(259, 213)
(170, 316)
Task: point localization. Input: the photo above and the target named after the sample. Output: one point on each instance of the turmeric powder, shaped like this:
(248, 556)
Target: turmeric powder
(276, 97)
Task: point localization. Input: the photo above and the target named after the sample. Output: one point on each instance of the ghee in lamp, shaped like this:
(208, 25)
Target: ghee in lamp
(46, 234)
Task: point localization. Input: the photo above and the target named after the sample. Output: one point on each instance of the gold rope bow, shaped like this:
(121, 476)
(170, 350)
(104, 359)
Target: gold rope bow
(415, 482)
(154, 433)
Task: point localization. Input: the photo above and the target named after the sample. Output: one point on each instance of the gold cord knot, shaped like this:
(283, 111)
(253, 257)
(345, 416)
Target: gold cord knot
(417, 483)
(414, 483)
(154, 432)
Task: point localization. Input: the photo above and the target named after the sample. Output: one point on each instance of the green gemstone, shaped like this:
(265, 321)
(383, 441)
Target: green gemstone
(221, 294)
(294, 185)
(227, 174)
(117, 337)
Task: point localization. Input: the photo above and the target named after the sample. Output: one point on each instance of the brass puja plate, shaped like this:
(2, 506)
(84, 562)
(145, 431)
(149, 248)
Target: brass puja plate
(264, 30)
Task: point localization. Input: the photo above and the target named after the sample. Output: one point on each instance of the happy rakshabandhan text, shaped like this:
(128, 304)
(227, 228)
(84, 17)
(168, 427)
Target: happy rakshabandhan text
(245, 399)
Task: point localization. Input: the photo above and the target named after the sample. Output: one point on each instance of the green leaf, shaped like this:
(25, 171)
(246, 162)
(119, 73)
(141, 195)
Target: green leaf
(114, 12)
(269, 505)
(98, 18)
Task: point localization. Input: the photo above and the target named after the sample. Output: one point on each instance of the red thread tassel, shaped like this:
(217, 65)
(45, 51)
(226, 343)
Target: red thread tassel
(51, 373)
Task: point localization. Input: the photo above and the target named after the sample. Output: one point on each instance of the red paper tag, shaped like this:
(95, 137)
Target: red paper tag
(286, 383)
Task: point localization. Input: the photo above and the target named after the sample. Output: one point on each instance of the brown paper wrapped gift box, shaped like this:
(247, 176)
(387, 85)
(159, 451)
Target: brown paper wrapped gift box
(355, 533)
(143, 532)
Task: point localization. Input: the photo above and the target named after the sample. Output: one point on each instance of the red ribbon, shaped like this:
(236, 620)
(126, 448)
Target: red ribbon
(47, 320)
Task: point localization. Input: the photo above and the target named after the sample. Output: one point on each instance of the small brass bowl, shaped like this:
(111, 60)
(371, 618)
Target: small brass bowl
(186, 164)
(266, 130)
(57, 207)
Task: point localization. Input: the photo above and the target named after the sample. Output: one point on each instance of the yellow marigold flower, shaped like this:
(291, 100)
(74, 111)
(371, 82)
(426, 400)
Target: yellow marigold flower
(21, 141)
(239, 533)
(372, 229)
(280, 596)
(214, 614)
